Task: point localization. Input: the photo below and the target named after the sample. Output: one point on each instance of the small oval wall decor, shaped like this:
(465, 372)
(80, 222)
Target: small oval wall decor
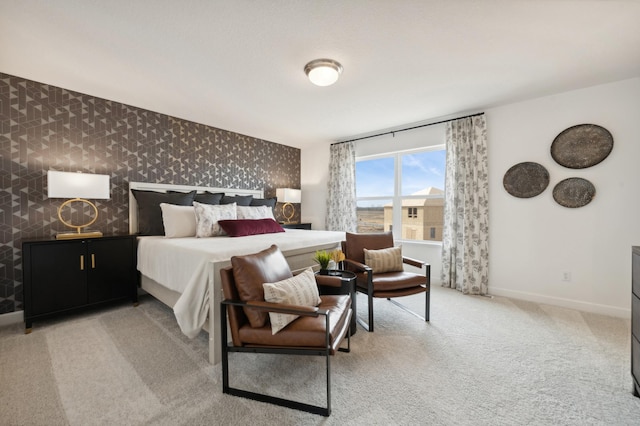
(582, 146)
(526, 180)
(574, 192)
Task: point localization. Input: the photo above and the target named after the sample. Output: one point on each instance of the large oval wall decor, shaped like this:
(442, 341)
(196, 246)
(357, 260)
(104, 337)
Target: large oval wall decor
(526, 180)
(574, 192)
(582, 146)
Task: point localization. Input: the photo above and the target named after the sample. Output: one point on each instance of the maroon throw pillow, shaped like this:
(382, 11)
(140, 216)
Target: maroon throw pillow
(244, 227)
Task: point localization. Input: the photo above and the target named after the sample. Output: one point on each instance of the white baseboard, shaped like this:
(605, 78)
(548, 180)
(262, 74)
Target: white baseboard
(565, 303)
(11, 318)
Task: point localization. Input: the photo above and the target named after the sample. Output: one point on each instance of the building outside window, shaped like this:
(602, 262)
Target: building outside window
(403, 191)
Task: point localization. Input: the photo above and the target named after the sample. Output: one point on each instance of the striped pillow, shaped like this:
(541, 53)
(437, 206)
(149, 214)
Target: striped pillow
(385, 260)
(299, 290)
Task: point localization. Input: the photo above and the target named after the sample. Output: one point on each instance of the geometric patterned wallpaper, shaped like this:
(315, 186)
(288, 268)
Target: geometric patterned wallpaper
(44, 127)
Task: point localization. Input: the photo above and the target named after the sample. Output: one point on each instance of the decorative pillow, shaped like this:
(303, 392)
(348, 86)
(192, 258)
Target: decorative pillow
(270, 202)
(300, 290)
(241, 200)
(384, 260)
(209, 197)
(253, 270)
(244, 227)
(149, 212)
(207, 217)
(256, 212)
(179, 221)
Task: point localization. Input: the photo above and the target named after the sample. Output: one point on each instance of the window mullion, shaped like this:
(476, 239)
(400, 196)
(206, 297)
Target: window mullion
(397, 199)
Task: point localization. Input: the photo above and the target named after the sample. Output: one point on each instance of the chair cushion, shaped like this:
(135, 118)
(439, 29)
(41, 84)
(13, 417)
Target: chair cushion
(356, 243)
(306, 332)
(253, 270)
(384, 260)
(391, 281)
(299, 290)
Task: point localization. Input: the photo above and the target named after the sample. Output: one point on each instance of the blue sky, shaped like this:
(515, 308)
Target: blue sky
(419, 171)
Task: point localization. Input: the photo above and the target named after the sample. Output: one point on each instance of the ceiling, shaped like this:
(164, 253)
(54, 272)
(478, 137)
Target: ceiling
(238, 64)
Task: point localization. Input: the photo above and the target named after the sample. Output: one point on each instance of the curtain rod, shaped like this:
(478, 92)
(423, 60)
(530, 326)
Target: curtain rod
(408, 128)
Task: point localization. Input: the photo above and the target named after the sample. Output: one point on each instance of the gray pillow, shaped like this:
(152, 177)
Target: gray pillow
(209, 197)
(241, 200)
(271, 202)
(149, 211)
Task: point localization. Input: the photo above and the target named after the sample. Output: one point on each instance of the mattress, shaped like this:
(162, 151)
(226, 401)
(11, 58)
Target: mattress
(181, 264)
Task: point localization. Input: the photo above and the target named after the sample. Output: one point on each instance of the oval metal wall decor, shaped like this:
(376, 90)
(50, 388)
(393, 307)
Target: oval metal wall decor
(582, 146)
(574, 192)
(526, 180)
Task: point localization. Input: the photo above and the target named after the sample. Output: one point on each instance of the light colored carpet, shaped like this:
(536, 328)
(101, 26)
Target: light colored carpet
(480, 361)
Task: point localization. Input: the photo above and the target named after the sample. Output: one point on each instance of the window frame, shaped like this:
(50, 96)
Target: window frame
(397, 197)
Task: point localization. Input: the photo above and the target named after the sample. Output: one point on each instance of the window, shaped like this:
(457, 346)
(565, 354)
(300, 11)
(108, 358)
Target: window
(402, 191)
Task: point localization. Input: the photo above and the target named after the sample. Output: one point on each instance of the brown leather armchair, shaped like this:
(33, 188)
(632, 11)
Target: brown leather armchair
(386, 284)
(319, 330)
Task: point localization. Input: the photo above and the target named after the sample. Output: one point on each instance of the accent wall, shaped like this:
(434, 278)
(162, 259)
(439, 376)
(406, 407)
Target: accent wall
(44, 127)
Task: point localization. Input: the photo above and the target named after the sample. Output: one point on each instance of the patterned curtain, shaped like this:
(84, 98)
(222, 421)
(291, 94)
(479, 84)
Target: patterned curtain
(341, 194)
(465, 240)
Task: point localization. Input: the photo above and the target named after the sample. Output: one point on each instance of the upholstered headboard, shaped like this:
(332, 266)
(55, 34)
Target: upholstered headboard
(162, 187)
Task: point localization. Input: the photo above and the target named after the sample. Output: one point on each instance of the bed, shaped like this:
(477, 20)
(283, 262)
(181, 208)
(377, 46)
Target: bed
(184, 273)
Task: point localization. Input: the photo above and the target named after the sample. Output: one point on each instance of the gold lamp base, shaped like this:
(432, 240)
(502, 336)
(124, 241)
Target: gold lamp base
(76, 235)
(79, 233)
(289, 216)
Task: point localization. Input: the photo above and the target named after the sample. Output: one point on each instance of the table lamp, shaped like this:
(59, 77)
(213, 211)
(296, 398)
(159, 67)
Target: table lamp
(288, 196)
(77, 187)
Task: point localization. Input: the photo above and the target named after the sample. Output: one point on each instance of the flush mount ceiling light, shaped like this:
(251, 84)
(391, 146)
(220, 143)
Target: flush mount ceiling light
(323, 72)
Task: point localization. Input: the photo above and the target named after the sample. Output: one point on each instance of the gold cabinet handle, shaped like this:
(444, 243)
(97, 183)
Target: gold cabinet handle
(82, 262)
(93, 261)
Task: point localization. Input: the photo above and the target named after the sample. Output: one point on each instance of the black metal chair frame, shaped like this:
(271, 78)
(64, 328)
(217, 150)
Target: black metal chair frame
(326, 352)
(369, 291)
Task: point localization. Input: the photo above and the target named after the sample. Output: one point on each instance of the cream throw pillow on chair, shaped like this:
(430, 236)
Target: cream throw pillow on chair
(300, 290)
(384, 260)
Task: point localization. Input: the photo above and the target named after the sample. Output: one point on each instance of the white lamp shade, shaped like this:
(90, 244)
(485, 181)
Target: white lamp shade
(288, 195)
(77, 185)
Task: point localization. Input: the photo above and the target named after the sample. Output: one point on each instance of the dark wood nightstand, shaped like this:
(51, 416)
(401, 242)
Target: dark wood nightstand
(65, 275)
(296, 225)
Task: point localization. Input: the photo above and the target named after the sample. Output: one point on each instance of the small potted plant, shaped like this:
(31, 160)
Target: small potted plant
(323, 258)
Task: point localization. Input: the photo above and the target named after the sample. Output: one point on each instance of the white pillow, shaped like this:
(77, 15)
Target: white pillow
(255, 212)
(208, 215)
(179, 221)
(300, 290)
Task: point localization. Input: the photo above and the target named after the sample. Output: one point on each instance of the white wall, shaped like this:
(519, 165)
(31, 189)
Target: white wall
(314, 164)
(533, 241)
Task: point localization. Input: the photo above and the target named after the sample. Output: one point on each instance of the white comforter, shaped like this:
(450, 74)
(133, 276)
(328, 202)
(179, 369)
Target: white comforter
(180, 264)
